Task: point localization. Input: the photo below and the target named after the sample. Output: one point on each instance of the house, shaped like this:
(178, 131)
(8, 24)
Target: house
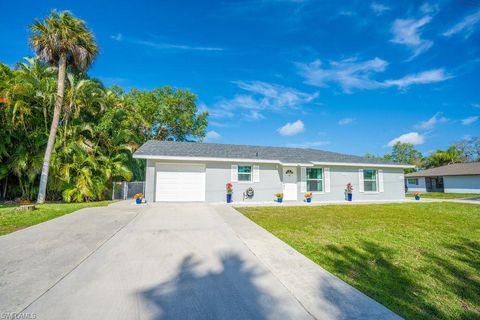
(192, 171)
(452, 178)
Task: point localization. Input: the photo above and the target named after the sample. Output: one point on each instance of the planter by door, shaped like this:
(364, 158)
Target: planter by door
(229, 198)
(138, 201)
(349, 196)
(309, 200)
(279, 200)
(417, 198)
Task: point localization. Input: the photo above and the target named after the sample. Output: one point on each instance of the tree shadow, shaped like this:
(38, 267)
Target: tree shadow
(369, 268)
(227, 294)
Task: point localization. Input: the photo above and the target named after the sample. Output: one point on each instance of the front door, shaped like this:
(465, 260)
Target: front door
(290, 183)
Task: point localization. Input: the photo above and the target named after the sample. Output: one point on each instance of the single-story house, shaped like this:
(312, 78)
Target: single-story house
(452, 178)
(192, 171)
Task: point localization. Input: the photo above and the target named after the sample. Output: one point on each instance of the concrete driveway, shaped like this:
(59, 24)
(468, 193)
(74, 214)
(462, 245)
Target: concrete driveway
(167, 261)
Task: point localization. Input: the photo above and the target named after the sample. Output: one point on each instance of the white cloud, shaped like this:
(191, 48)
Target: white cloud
(476, 105)
(291, 129)
(425, 77)
(407, 32)
(430, 123)
(260, 96)
(466, 26)
(411, 137)
(212, 135)
(429, 8)
(349, 73)
(470, 120)
(353, 74)
(379, 8)
(346, 121)
(117, 37)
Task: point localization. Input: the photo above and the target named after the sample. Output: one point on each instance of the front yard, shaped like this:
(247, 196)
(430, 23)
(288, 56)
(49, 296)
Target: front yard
(442, 195)
(12, 219)
(421, 260)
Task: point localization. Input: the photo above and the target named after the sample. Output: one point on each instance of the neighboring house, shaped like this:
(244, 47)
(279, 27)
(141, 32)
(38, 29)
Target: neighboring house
(452, 178)
(192, 171)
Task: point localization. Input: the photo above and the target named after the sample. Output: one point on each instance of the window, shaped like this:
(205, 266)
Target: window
(314, 179)
(245, 173)
(412, 181)
(370, 180)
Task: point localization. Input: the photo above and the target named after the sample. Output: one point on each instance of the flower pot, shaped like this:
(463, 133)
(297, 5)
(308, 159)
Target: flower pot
(138, 201)
(417, 198)
(279, 200)
(349, 196)
(309, 200)
(229, 198)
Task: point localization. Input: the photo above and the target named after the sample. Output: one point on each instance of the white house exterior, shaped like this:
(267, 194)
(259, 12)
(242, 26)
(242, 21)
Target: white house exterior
(190, 171)
(454, 178)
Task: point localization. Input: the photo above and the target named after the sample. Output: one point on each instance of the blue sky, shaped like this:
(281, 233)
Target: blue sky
(346, 76)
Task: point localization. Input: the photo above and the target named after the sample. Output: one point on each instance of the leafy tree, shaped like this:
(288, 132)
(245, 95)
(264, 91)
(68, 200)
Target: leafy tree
(470, 148)
(405, 153)
(444, 157)
(61, 40)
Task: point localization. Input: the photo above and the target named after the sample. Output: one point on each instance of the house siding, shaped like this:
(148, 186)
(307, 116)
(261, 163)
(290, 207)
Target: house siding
(219, 173)
(462, 184)
(421, 187)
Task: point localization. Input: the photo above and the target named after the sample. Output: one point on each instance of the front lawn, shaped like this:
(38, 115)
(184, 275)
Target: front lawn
(12, 219)
(442, 195)
(421, 260)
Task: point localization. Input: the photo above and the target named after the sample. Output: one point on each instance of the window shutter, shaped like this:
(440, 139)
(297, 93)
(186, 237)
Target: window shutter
(380, 180)
(256, 173)
(234, 173)
(361, 187)
(303, 181)
(327, 179)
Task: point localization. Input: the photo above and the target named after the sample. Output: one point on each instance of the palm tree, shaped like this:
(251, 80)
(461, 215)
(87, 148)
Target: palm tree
(61, 40)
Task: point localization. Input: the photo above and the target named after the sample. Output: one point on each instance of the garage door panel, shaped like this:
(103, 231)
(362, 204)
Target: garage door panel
(180, 182)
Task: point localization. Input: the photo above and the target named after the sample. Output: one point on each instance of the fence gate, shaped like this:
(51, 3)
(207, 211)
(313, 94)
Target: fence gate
(126, 190)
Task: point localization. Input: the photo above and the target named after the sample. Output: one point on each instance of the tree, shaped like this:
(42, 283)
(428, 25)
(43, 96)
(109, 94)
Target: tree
(443, 157)
(405, 153)
(61, 40)
(470, 148)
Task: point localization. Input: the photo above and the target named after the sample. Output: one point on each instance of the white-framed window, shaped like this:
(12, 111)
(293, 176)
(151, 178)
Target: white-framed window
(413, 181)
(314, 180)
(244, 173)
(370, 180)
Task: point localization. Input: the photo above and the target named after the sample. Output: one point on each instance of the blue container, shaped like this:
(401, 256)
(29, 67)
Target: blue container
(138, 201)
(349, 196)
(229, 198)
(279, 200)
(309, 200)
(417, 198)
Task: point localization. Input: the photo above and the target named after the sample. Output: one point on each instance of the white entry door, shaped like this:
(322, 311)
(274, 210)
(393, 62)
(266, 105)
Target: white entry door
(180, 182)
(290, 183)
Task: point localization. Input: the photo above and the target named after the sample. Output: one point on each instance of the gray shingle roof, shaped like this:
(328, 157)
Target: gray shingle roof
(456, 169)
(215, 150)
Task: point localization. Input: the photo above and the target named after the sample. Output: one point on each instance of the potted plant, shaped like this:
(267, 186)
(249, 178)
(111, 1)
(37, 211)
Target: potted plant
(279, 196)
(417, 195)
(349, 191)
(138, 198)
(229, 189)
(308, 197)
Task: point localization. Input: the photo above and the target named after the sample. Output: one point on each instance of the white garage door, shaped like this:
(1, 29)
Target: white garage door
(180, 182)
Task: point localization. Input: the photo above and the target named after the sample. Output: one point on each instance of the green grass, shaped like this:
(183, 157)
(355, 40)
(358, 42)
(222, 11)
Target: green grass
(12, 219)
(441, 195)
(421, 260)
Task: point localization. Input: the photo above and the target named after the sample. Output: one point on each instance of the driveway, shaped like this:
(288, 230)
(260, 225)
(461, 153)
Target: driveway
(167, 261)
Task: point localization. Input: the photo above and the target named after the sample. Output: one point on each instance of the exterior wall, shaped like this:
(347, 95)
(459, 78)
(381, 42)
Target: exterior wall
(462, 184)
(421, 187)
(340, 176)
(150, 182)
(219, 173)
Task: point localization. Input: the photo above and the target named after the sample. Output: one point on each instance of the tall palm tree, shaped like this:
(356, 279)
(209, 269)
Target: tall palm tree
(62, 40)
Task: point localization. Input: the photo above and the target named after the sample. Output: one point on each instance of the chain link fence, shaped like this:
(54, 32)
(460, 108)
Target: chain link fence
(126, 190)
